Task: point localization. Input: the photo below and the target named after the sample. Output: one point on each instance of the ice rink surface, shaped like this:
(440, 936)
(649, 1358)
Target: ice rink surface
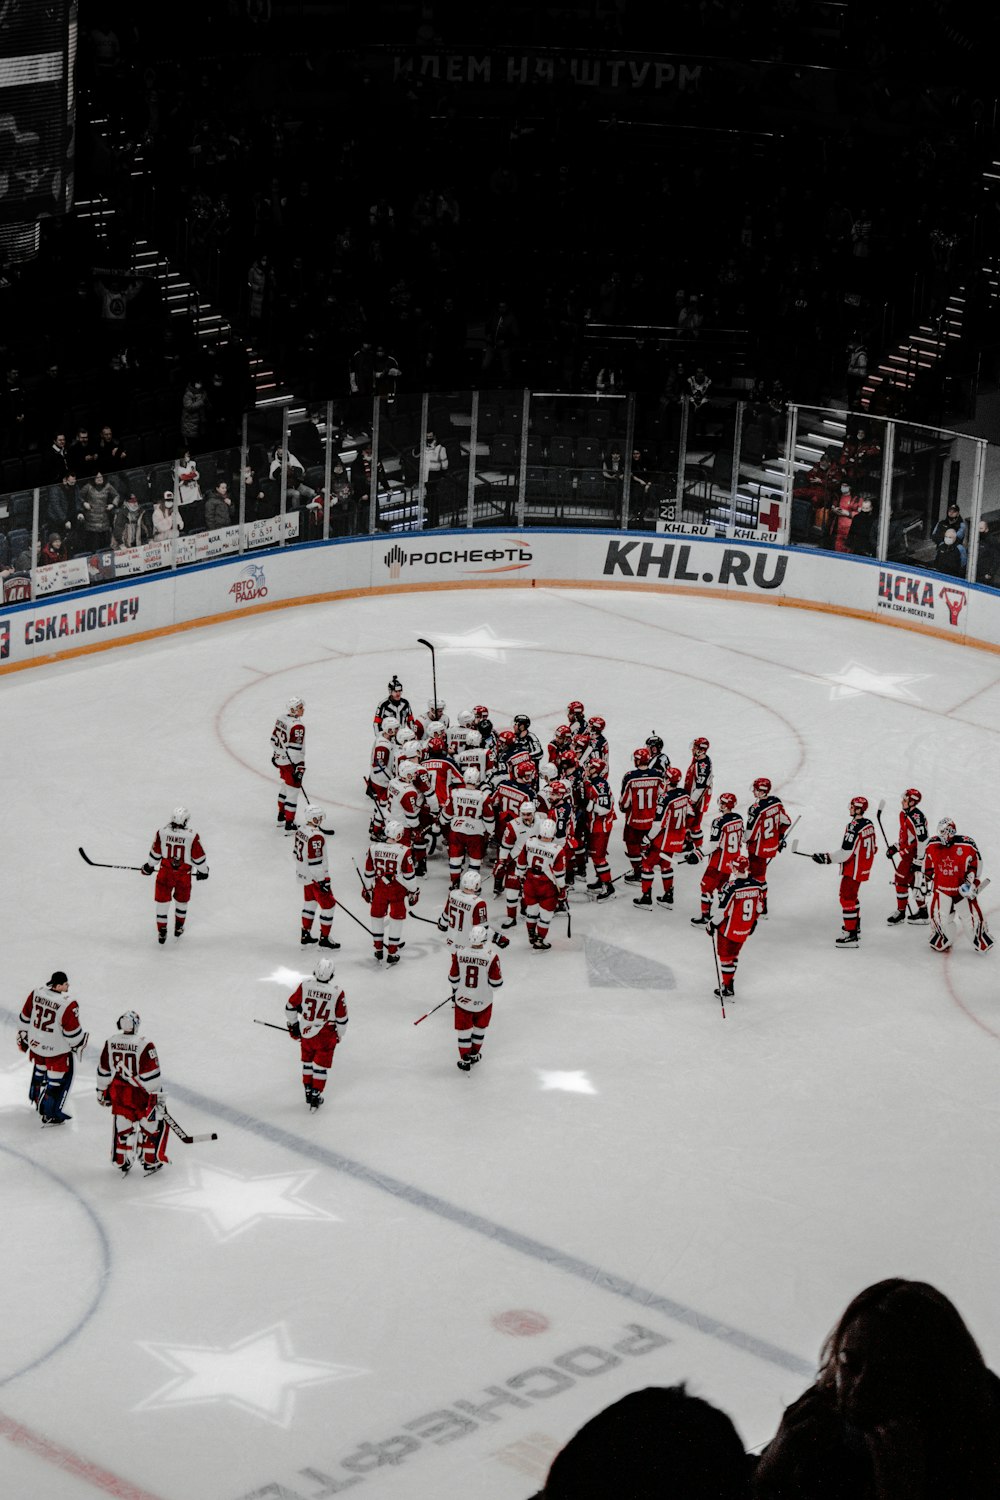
(426, 1287)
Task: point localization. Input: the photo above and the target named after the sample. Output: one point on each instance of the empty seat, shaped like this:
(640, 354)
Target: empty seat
(503, 448)
(561, 450)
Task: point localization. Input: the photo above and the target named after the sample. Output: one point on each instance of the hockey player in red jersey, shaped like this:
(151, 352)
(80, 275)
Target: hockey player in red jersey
(951, 876)
(128, 1082)
(442, 773)
(698, 785)
(560, 742)
(473, 973)
(390, 885)
(669, 835)
(464, 909)
(855, 857)
(395, 706)
(542, 863)
(468, 818)
(576, 716)
(177, 850)
(50, 1033)
(727, 836)
(767, 824)
(288, 756)
(507, 872)
(739, 905)
(313, 872)
(599, 814)
(910, 846)
(510, 795)
(316, 1017)
(641, 791)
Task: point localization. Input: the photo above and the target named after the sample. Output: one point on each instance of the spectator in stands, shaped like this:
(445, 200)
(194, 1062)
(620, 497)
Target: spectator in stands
(52, 551)
(194, 413)
(613, 463)
(57, 459)
(385, 373)
(950, 557)
(166, 523)
(654, 1444)
(280, 459)
(341, 501)
(361, 370)
(861, 533)
(132, 526)
(190, 501)
(63, 509)
(857, 368)
(988, 558)
(110, 453)
(904, 1408)
(503, 337)
(82, 454)
(432, 464)
(220, 507)
(951, 520)
(98, 499)
(842, 514)
(361, 473)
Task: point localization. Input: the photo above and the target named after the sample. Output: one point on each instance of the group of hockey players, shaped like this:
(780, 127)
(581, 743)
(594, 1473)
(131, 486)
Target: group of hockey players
(541, 817)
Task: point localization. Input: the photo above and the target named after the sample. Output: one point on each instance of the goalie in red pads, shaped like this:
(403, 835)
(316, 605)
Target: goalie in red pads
(128, 1078)
(951, 875)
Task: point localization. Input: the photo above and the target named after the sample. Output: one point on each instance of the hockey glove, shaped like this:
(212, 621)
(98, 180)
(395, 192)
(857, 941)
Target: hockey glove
(691, 859)
(413, 898)
(500, 940)
(201, 874)
(891, 850)
(782, 845)
(295, 1032)
(442, 924)
(81, 1046)
(821, 859)
(366, 893)
(102, 1099)
(968, 889)
(299, 773)
(147, 869)
(22, 1041)
(324, 886)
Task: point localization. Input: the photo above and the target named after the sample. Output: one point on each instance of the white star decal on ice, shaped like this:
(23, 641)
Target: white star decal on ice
(232, 1204)
(260, 1374)
(285, 977)
(482, 641)
(570, 1083)
(856, 678)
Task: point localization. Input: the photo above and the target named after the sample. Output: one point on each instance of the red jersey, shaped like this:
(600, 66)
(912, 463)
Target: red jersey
(641, 791)
(391, 865)
(442, 773)
(739, 906)
(947, 866)
(856, 853)
(727, 835)
(599, 804)
(673, 814)
(912, 831)
(519, 757)
(766, 824)
(508, 799)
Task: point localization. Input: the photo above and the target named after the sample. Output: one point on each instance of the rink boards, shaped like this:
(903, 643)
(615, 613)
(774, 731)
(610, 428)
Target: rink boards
(135, 608)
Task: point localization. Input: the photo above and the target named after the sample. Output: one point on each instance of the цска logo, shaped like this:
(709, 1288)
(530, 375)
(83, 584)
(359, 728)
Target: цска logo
(251, 584)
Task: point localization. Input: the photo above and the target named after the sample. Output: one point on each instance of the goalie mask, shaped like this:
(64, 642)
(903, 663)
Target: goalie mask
(129, 1022)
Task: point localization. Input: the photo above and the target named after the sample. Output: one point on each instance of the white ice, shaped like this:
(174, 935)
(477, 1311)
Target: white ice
(258, 1316)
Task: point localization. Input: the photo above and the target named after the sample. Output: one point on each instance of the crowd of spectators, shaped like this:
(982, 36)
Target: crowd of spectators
(904, 1407)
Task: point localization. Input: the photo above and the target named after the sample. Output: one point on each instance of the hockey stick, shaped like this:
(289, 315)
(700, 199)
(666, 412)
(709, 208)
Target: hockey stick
(451, 999)
(330, 832)
(273, 1024)
(409, 911)
(357, 920)
(96, 863)
(434, 677)
(182, 1135)
(802, 853)
(718, 971)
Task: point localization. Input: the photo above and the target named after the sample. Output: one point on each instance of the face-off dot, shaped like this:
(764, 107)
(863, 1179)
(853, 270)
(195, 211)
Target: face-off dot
(520, 1322)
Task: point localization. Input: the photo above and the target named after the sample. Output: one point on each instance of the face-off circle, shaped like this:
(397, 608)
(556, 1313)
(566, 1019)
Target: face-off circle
(520, 1323)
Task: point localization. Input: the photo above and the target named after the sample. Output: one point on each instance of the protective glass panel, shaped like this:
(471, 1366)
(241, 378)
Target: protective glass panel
(932, 500)
(498, 457)
(576, 460)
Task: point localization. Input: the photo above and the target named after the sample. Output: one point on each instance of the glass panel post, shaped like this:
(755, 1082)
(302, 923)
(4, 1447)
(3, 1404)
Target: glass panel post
(734, 481)
(978, 482)
(327, 468)
(682, 453)
(244, 463)
(421, 517)
(788, 484)
(629, 445)
(522, 466)
(373, 481)
(473, 444)
(34, 538)
(885, 490)
(283, 503)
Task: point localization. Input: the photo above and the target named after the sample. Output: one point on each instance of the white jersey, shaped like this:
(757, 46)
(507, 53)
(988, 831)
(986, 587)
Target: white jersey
(52, 1022)
(309, 849)
(515, 835)
(315, 1005)
(178, 848)
(473, 757)
(132, 1056)
(403, 801)
(544, 857)
(469, 810)
(288, 737)
(458, 737)
(463, 910)
(383, 766)
(475, 973)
